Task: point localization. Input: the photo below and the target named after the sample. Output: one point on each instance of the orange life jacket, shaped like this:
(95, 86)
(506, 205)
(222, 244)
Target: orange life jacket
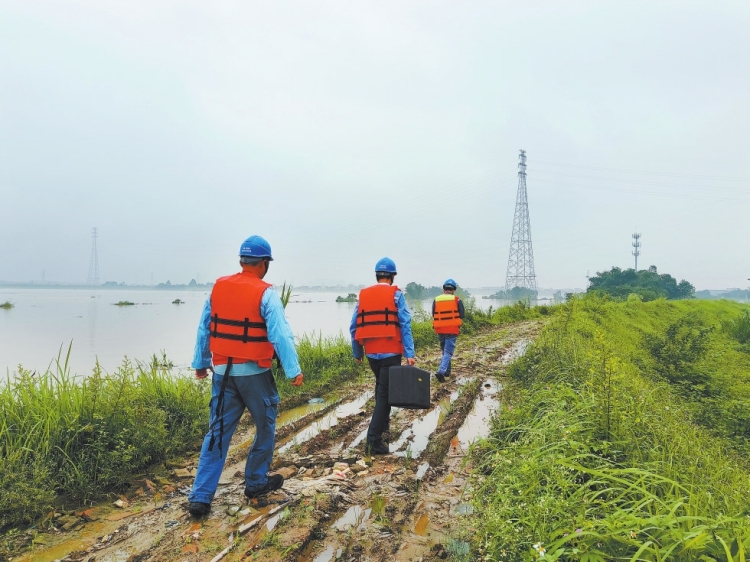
(237, 328)
(446, 319)
(378, 328)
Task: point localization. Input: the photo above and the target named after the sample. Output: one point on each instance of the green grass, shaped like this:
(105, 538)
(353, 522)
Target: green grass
(67, 439)
(611, 446)
(62, 435)
(7, 305)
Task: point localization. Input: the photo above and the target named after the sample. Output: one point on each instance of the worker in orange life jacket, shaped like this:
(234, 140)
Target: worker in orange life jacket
(447, 317)
(381, 329)
(241, 327)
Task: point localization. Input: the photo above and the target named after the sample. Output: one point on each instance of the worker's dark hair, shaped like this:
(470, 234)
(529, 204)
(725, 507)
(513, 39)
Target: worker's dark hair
(384, 275)
(247, 260)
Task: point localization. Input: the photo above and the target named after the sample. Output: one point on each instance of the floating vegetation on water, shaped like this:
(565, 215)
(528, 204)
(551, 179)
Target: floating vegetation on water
(7, 305)
(351, 297)
(124, 303)
(178, 301)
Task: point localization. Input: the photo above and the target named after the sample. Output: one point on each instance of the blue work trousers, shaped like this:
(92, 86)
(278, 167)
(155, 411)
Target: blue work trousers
(258, 394)
(447, 346)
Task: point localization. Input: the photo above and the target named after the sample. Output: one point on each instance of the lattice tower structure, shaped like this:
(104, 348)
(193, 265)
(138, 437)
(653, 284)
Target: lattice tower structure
(94, 261)
(636, 248)
(521, 256)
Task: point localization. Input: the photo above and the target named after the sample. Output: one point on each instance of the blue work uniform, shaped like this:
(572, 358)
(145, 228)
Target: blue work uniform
(380, 363)
(249, 386)
(447, 344)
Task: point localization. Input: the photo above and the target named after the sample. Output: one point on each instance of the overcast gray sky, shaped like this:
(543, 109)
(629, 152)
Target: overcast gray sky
(346, 131)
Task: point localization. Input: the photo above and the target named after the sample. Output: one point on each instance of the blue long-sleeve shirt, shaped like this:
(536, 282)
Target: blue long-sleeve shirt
(404, 319)
(279, 334)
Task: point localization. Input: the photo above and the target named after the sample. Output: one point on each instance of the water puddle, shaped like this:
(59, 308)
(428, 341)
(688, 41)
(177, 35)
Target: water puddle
(355, 517)
(418, 433)
(477, 423)
(328, 421)
(420, 527)
(516, 351)
(273, 521)
(463, 509)
(294, 414)
(328, 554)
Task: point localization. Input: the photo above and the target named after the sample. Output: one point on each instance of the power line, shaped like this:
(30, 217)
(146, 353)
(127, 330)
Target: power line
(620, 170)
(645, 182)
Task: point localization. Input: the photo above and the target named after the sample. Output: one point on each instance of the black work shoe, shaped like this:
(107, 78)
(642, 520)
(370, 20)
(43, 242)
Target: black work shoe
(440, 377)
(275, 481)
(199, 509)
(377, 448)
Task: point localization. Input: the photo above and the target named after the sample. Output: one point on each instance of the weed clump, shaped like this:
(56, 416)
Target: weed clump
(7, 305)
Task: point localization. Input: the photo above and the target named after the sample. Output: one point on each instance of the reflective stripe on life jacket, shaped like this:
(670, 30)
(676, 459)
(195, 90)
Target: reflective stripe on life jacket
(378, 327)
(237, 328)
(446, 318)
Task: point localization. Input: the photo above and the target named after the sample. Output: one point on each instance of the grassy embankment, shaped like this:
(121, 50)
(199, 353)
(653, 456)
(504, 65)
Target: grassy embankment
(624, 435)
(67, 439)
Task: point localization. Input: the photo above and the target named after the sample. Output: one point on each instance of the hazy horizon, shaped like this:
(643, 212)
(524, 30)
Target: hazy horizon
(348, 132)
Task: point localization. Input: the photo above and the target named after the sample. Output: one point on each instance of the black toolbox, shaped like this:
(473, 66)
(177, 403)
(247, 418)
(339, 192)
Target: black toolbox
(408, 387)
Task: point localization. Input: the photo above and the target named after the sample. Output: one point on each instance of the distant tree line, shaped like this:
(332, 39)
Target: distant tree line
(415, 291)
(734, 294)
(647, 283)
(515, 294)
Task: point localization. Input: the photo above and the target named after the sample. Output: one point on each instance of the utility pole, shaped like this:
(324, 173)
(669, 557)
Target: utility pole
(94, 261)
(521, 255)
(636, 248)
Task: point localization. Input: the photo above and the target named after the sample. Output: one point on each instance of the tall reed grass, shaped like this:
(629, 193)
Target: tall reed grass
(77, 437)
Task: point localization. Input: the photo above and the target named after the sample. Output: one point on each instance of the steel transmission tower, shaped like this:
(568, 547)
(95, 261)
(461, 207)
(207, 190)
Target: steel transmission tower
(521, 256)
(94, 261)
(636, 248)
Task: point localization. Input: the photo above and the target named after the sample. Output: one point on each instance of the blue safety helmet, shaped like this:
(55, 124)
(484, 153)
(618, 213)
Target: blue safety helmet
(449, 284)
(385, 265)
(256, 247)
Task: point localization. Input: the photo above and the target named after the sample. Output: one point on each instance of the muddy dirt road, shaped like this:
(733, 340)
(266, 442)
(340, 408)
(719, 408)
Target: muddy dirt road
(337, 503)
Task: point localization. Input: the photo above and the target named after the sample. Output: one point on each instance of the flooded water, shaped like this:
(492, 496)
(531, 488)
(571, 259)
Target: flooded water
(477, 423)
(354, 518)
(328, 421)
(45, 320)
(417, 435)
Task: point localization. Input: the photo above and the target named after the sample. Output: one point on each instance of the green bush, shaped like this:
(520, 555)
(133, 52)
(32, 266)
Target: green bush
(739, 327)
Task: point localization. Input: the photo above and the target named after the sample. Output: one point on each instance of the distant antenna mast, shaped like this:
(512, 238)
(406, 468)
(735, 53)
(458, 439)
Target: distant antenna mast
(521, 256)
(636, 248)
(94, 261)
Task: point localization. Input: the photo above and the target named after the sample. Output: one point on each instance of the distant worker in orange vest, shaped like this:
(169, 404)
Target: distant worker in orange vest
(381, 329)
(241, 327)
(447, 318)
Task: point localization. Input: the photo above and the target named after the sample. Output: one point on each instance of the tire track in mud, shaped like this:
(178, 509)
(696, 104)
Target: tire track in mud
(337, 503)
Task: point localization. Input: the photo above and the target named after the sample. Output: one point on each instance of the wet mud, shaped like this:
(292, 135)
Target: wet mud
(338, 503)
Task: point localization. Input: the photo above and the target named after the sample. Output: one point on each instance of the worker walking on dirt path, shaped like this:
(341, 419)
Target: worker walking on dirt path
(381, 328)
(241, 327)
(447, 317)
